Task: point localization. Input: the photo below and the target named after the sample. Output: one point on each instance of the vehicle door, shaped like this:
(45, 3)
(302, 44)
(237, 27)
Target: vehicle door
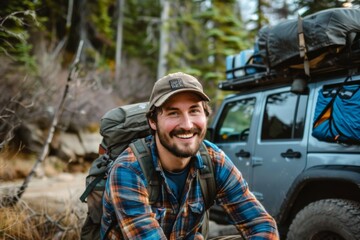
(234, 131)
(280, 150)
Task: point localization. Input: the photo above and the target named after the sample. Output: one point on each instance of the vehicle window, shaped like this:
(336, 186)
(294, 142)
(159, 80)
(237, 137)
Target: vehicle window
(234, 124)
(284, 116)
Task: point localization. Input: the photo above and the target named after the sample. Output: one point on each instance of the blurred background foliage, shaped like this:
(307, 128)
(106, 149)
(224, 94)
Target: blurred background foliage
(39, 38)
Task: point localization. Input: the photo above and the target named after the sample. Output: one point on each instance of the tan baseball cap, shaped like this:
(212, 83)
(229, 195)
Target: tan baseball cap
(174, 83)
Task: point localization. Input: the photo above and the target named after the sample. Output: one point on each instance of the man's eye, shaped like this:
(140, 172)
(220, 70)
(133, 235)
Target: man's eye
(195, 111)
(172, 113)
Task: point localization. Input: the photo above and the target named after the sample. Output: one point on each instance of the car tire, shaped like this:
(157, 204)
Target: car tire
(329, 219)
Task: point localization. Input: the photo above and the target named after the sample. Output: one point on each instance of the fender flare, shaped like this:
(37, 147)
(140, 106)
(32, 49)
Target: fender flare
(350, 174)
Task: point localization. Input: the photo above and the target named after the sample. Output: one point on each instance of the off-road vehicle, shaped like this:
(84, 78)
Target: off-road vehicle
(265, 126)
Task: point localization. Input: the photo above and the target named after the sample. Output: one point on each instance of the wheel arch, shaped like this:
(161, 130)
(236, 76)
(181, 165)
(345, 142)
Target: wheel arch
(316, 183)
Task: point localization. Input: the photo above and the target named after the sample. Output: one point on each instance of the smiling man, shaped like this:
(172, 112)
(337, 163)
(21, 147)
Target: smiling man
(178, 114)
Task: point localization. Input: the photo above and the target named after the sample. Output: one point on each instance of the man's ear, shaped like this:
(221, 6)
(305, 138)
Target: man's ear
(152, 124)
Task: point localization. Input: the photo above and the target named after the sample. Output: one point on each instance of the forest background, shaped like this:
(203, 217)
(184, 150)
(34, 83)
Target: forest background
(127, 46)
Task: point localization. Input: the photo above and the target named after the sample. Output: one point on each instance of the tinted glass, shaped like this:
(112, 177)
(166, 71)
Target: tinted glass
(234, 124)
(284, 116)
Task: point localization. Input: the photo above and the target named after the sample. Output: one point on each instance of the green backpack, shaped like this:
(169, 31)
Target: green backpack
(120, 128)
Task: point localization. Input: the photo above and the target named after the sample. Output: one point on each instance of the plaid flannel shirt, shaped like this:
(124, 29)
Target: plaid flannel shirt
(126, 199)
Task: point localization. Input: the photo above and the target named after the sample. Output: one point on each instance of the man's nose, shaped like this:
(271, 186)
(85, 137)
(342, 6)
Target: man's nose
(186, 122)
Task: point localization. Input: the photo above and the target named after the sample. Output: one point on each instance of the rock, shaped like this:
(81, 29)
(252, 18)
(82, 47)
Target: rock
(70, 145)
(78, 145)
(90, 141)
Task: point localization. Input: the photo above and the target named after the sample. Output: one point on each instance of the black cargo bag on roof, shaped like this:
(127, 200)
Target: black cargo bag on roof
(324, 32)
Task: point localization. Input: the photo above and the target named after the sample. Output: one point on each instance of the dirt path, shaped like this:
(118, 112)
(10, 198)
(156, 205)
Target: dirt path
(62, 189)
(63, 186)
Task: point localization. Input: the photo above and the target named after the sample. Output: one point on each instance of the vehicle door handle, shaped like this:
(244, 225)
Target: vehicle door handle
(291, 154)
(243, 154)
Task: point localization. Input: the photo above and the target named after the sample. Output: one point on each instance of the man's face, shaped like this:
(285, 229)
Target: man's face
(181, 127)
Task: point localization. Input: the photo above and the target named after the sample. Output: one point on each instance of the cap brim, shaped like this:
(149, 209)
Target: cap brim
(165, 97)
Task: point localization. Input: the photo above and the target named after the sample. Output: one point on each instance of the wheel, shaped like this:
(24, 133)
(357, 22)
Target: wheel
(329, 219)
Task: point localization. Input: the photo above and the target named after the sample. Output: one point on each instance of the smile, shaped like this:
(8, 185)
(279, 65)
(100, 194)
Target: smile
(185, 136)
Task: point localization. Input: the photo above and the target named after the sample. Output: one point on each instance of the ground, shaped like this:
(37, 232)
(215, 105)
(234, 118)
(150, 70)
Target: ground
(66, 189)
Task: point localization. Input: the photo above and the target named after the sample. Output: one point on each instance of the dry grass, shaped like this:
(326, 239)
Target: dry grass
(11, 169)
(41, 220)
(17, 166)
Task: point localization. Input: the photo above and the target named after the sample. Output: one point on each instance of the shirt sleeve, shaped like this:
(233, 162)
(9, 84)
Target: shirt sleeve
(131, 205)
(246, 212)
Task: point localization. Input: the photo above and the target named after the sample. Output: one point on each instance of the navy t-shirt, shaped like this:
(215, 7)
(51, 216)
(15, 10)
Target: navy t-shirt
(176, 181)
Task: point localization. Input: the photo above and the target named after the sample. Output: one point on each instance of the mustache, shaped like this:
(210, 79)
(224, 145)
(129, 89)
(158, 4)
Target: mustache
(193, 130)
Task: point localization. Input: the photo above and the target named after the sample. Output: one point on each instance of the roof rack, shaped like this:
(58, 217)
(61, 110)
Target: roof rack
(262, 77)
(342, 64)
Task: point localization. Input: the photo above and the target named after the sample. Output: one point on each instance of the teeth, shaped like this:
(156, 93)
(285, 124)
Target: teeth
(185, 136)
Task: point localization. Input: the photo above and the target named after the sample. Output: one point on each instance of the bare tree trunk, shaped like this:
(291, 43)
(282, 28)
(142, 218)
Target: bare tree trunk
(12, 200)
(259, 12)
(83, 25)
(164, 41)
(119, 37)
(63, 41)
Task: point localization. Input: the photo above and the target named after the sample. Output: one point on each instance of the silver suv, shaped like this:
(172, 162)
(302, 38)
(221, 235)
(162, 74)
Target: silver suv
(311, 187)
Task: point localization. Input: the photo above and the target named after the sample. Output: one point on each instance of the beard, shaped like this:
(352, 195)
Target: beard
(181, 151)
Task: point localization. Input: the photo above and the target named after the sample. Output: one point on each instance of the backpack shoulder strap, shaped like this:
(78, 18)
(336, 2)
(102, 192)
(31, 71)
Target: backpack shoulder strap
(207, 178)
(143, 155)
(97, 174)
(208, 186)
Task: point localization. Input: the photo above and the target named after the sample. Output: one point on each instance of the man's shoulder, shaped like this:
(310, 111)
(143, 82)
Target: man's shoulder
(132, 155)
(211, 147)
(126, 159)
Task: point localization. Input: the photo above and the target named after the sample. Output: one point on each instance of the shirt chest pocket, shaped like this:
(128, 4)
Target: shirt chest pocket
(191, 217)
(193, 211)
